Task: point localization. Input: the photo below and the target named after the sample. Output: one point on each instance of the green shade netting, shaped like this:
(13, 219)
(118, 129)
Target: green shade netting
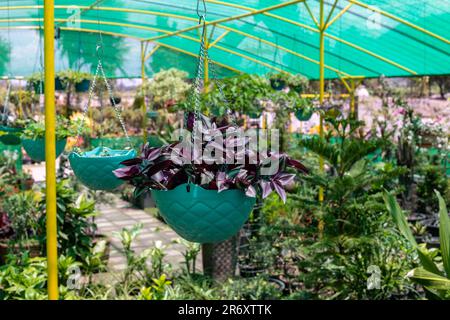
(371, 38)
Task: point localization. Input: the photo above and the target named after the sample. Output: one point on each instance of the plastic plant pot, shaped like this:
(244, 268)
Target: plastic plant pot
(83, 86)
(59, 84)
(254, 115)
(95, 168)
(152, 114)
(277, 84)
(203, 216)
(297, 89)
(38, 86)
(155, 141)
(9, 136)
(36, 148)
(115, 100)
(303, 114)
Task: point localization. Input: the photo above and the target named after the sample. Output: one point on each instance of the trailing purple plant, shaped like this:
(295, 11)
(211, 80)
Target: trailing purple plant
(166, 167)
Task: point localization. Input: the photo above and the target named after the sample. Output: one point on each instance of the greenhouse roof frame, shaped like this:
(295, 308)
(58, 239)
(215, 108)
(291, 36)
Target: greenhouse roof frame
(233, 27)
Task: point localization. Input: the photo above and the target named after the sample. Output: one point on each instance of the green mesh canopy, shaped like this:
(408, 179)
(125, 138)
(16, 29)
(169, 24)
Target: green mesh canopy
(366, 38)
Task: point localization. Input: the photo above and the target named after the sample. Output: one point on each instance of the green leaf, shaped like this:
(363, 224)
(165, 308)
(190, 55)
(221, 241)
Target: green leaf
(429, 279)
(444, 233)
(402, 224)
(399, 218)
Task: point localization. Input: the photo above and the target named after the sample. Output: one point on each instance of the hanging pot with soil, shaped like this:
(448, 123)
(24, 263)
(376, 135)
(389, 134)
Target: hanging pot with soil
(95, 168)
(204, 212)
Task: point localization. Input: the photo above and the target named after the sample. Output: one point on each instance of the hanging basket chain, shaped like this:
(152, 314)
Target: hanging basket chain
(116, 108)
(88, 102)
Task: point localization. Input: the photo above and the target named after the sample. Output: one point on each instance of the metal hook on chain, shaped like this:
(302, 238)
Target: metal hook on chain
(203, 14)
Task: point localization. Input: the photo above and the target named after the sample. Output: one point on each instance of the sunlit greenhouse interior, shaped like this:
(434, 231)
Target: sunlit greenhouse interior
(224, 150)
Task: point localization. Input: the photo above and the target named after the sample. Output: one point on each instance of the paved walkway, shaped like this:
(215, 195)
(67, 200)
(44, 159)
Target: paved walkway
(122, 214)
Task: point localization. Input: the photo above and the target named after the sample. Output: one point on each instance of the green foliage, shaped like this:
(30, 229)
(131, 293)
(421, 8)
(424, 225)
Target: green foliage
(167, 87)
(24, 278)
(433, 178)
(357, 233)
(75, 224)
(23, 212)
(240, 93)
(72, 76)
(36, 129)
(434, 272)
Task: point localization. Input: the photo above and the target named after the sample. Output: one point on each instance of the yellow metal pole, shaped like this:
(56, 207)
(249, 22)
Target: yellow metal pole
(144, 104)
(50, 149)
(321, 95)
(352, 99)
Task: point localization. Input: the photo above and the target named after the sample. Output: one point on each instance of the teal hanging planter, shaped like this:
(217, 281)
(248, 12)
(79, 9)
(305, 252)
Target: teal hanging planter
(152, 114)
(204, 216)
(35, 148)
(10, 136)
(155, 141)
(95, 168)
(304, 114)
(83, 86)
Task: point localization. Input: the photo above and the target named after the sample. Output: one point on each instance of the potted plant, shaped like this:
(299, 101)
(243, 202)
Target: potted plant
(82, 82)
(242, 94)
(37, 83)
(278, 81)
(10, 132)
(19, 224)
(95, 168)
(202, 201)
(304, 109)
(72, 78)
(33, 138)
(297, 83)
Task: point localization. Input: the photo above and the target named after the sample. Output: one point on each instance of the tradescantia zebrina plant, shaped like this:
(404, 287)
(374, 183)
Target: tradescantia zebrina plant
(169, 166)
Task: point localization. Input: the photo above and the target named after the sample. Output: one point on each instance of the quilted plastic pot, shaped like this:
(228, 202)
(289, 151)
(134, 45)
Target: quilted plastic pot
(36, 148)
(303, 115)
(9, 136)
(204, 216)
(95, 168)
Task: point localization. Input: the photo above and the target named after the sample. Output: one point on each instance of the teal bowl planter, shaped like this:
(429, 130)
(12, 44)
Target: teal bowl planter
(152, 114)
(154, 141)
(254, 115)
(36, 148)
(59, 84)
(303, 114)
(204, 216)
(10, 136)
(278, 84)
(83, 86)
(95, 168)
